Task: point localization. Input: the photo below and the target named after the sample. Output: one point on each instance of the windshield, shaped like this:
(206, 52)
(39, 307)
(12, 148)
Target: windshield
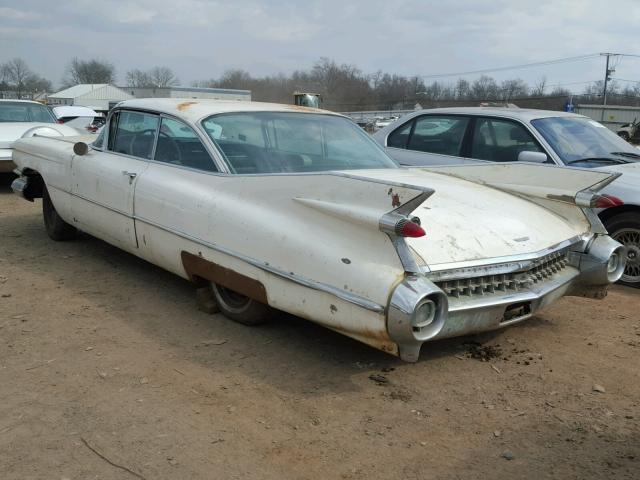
(279, 142)
(575, 138)
(25, 112)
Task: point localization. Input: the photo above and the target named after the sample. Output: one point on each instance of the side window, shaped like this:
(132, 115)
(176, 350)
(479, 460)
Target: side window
(178, 144)
(399, 137)
(439, 134)
(133, 133)
(501, 140)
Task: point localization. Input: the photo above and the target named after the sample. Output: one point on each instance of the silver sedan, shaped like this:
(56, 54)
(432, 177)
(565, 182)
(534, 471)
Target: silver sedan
(446, 136)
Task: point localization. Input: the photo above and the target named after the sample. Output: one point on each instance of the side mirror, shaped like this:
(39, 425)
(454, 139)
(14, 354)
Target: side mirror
(80, 148)
(532, 157)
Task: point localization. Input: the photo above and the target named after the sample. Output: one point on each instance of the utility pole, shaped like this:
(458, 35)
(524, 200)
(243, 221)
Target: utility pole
(607, 76)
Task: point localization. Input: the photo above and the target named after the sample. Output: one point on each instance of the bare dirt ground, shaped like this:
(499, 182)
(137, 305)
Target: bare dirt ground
(105, 358)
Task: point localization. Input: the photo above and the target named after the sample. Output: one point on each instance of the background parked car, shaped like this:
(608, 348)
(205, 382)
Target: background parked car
(477, 134)
(630, 132)
(20, 118)
(83, 119)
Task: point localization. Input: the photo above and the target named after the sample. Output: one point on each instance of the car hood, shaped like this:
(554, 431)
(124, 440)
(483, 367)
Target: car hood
(626, 168)
(468, 222)
(12, 131)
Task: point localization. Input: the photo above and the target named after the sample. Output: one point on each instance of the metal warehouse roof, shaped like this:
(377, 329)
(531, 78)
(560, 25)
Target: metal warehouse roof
(95, 91)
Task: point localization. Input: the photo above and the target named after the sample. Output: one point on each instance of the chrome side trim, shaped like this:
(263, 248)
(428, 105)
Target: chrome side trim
(322, 287)
(307, 282)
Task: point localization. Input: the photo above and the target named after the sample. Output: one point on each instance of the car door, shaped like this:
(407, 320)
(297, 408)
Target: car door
(104, 180)
(497, 139)
(436, 139)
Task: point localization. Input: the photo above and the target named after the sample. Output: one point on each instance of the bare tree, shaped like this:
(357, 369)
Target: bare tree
(539, 87)
(137, 78)
(162, 77)
(17, 73)
(462, 89)
(515, 88)
(158, 77)
(89, 71)
(37, 84)
(484, 88)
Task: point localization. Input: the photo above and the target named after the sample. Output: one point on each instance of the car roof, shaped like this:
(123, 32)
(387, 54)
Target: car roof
(193, 109)
(15, 100)
(526, 114)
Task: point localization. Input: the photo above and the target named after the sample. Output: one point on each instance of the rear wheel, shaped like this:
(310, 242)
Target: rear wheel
(625, 228)
(241, 308)
(56, 227)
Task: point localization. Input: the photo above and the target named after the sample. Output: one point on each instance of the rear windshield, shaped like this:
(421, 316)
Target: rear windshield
(25, 112)
(280, 142)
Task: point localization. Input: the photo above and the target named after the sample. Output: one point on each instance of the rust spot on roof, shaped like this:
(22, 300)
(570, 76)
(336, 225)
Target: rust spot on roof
(184, 105)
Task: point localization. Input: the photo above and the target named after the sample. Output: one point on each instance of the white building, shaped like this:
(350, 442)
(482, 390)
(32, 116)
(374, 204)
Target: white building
(189, 92)
(100, 96)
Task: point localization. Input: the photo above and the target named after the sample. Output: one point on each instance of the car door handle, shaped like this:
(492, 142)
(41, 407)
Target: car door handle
(131, 175)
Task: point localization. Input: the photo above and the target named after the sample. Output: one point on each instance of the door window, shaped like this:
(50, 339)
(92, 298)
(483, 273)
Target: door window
(133, 133)
(500, 140)
(400, 137)
(178, 144)
(438, 134)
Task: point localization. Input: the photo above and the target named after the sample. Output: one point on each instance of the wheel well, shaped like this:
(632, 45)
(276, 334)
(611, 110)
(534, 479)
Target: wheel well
(609, 213)
(35, 184)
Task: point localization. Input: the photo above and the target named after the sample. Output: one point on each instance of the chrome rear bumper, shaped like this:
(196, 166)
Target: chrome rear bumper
(494, 301)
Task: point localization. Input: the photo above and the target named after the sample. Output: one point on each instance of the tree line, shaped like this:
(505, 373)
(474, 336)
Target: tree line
(344, 87)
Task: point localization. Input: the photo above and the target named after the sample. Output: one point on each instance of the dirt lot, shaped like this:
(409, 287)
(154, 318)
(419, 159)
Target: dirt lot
(104, 358)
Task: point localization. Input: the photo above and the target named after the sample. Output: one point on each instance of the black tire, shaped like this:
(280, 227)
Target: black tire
(624, 136)
(625, 228)
(56, 227)
(240, 308)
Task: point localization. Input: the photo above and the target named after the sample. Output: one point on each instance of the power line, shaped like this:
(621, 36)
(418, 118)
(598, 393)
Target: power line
(623, 80)
(514, 67)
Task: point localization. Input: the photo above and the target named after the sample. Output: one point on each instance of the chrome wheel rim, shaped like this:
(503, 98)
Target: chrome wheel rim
(233, 301)
(630, 238)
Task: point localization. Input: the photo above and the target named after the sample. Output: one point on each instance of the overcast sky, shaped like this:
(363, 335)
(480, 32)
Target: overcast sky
(200, 39)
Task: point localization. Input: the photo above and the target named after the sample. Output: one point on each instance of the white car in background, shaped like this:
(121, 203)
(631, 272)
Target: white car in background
(83, 119)
(272, 207)
(472, 135)
(24, 118)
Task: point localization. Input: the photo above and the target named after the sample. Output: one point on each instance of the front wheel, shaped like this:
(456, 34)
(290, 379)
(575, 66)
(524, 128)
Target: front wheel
(624, 136)
(241, 308)
(625, 228)
(56, 227)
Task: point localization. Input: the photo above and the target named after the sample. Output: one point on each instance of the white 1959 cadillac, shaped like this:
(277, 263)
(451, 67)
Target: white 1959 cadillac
(276, 207)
